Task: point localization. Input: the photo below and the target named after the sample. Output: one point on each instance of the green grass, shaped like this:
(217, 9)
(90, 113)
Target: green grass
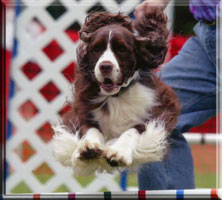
(207, 180)
(62, 188)
(21, 187)
(132, 180)
(85, 180)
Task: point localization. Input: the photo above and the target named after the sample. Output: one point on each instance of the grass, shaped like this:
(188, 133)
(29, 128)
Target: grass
(204, 162)
(207, 180)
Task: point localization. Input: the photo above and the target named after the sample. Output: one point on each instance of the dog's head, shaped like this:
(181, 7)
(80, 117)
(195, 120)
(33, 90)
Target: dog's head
(114, 48)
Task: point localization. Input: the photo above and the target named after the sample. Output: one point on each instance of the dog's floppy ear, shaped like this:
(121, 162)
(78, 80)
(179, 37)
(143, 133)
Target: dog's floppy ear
(82, 55)
(151, 54)
(81, 50)
(150, 33)
(84, 36)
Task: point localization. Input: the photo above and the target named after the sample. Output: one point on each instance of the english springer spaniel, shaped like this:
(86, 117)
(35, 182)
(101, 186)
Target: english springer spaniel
(122, 113)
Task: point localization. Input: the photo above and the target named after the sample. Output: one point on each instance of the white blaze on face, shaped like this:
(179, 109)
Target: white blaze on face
(108, 55)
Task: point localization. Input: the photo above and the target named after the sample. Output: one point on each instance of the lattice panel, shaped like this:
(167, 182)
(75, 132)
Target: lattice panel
(41, 72)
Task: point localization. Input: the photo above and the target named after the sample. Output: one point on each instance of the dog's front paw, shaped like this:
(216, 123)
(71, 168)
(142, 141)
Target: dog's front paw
(118, 157)
(88, 151)
(90, 147)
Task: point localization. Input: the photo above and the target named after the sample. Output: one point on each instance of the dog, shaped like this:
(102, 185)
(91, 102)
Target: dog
(122, 113)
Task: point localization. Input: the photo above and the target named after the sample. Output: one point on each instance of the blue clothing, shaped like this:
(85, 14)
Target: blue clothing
(204, 9)
(192, 75)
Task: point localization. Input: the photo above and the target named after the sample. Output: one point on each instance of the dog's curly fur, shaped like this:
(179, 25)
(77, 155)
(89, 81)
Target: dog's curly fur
(148, 52)
(152, 48)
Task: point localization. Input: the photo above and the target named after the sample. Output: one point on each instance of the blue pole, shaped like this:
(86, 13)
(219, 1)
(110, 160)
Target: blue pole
(123, 180)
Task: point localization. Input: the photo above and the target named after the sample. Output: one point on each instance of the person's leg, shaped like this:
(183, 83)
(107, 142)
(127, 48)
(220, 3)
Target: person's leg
(192, 75)
(175, 172)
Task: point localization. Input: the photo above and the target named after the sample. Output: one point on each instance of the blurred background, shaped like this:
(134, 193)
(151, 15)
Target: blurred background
(41, 38)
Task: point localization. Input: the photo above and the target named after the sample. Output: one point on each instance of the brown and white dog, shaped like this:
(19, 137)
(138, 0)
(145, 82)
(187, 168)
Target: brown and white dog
(122, 113)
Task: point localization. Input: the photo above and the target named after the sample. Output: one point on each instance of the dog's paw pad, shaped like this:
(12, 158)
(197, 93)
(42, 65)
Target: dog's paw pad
(113, 163)
(117, 159)
(89, 151)
(89, 154)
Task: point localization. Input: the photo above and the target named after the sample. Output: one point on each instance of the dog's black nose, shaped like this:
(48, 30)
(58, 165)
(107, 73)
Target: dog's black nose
(106, 68)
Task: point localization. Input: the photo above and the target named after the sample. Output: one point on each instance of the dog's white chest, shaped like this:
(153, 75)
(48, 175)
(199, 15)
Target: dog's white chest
(126, 110)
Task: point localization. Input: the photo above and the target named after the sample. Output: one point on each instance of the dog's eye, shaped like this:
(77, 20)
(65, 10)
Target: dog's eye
(96, 49)
(122, 49)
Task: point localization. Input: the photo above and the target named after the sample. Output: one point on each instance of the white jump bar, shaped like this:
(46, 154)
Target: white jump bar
(206, 138)
(139, 195)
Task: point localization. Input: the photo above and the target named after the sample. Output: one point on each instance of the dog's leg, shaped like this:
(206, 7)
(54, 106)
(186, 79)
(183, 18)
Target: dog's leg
(152, 144)
(90, 146)
(120, 153)
(143, 143)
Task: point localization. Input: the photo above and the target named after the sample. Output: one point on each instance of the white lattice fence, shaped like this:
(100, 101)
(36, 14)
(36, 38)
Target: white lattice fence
(46, 35)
